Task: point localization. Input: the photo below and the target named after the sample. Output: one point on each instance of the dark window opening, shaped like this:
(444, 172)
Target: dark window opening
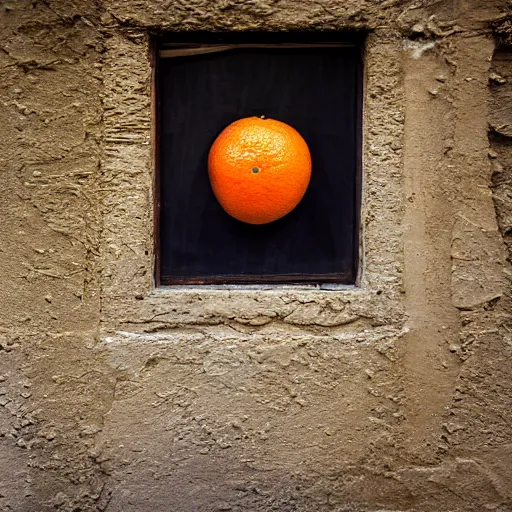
(312, 82)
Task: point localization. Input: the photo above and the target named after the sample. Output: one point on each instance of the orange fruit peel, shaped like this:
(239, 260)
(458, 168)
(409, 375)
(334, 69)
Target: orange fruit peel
(259, 169)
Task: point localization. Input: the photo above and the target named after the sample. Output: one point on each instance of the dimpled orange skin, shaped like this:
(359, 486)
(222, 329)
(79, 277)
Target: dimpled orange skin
(259, 169)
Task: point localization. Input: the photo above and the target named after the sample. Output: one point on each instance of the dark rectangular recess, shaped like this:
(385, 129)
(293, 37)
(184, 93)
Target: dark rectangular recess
(312, 81)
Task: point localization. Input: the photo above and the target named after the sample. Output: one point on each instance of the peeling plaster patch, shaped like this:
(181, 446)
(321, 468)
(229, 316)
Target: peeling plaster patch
(417, 48)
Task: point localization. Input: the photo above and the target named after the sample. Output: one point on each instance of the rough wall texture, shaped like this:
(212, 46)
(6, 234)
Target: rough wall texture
(395, 395)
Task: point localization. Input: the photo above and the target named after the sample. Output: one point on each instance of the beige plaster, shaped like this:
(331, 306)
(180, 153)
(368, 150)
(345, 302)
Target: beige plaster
(392, 395)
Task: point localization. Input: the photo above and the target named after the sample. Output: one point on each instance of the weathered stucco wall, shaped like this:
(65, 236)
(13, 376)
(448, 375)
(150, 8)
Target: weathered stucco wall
(393, 395)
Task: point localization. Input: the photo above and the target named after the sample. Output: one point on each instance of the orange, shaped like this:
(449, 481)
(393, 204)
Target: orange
(259, 169)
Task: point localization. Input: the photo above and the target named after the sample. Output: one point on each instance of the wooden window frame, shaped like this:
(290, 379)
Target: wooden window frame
(192, 43)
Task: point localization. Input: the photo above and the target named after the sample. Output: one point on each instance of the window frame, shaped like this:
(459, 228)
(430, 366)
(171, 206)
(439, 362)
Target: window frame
(160, 46)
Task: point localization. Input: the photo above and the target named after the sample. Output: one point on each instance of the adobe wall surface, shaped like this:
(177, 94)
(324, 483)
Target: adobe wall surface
(395, 395)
